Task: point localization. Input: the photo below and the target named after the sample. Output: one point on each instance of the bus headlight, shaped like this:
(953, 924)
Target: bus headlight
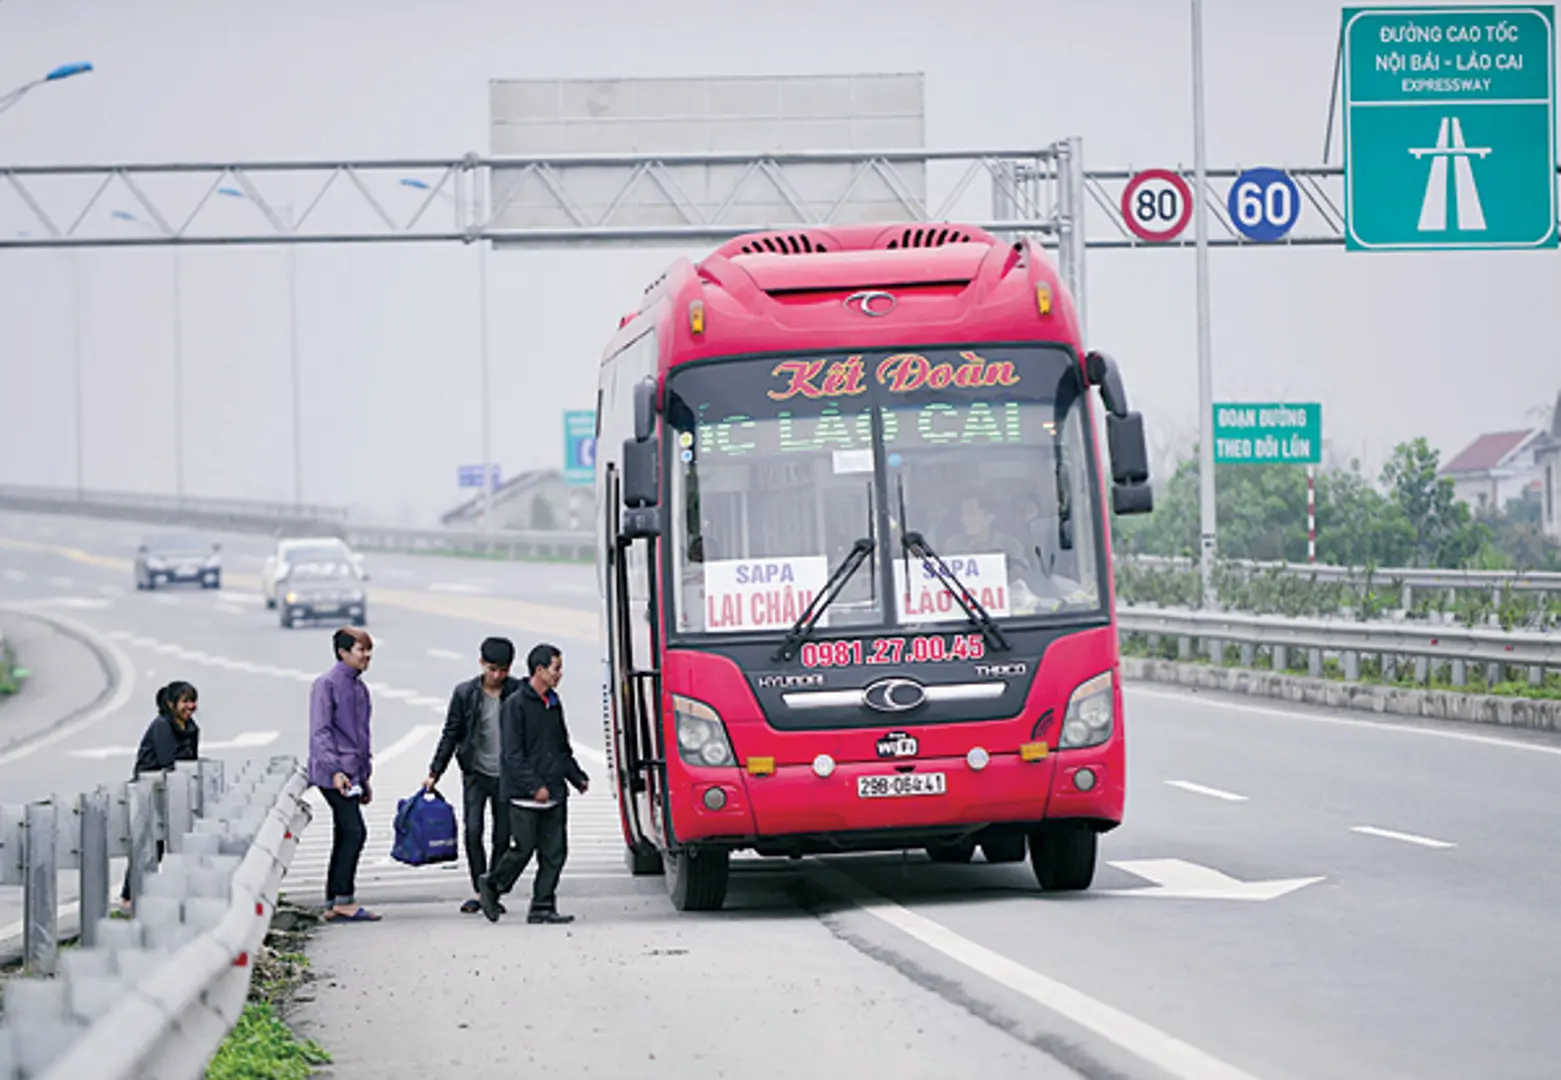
(1091, 714)
(701, 734)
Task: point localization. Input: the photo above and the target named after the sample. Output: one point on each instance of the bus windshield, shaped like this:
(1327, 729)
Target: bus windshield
(780, 465)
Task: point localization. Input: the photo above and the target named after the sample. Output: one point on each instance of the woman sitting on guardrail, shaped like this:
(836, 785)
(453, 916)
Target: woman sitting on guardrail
(173, 735)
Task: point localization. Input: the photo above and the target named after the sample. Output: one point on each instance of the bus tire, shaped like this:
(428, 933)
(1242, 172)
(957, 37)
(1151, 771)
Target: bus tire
(642, 862)
(960, 851)
(696, 878)
(1063, 857)
(1005, 848)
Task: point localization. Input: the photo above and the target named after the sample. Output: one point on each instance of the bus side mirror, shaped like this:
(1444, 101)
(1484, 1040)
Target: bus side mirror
(1132, 499)
(644, 410)
(1103, 372)
(641, 469)
(1129, 454)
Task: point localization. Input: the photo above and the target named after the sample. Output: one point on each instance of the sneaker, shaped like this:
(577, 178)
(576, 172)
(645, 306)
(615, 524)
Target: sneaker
(548, 917)
(488, 899)
(471, 907)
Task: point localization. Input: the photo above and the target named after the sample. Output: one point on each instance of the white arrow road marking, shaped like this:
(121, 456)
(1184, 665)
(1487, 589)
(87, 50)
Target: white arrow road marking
(405, 743)
(445, 654)
(1212, 792)
(1408, 838)
(1177, 879)
(244, 740)
(429, 702)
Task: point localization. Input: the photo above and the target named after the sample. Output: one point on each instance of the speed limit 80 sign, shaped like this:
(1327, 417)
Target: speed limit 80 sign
(1156, 205)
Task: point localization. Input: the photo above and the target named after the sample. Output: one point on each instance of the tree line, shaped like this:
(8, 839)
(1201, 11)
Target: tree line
(1408, 517)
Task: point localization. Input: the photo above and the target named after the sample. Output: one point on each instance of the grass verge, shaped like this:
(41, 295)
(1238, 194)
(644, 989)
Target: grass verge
(261, 1046)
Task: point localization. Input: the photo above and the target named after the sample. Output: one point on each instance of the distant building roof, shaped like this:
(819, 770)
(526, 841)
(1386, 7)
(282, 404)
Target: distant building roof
(1489, 451)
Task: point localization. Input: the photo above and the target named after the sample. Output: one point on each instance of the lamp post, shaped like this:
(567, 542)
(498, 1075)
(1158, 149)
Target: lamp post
(1207, 523)
(7, 101)
(292, 342)
(482, 350)
(178, 356)
(64, 71)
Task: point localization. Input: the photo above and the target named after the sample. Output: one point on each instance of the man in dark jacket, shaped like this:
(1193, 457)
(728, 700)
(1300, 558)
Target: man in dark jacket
(472, 736)
(539, 766)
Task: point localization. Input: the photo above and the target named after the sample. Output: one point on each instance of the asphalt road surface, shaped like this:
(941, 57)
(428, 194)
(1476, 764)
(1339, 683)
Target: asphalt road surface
(1295, 893)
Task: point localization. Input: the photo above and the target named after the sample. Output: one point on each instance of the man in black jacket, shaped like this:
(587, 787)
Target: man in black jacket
(539, 766)
(472, 734)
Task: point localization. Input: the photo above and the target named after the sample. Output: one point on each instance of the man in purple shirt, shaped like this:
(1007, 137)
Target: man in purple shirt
(340, 763)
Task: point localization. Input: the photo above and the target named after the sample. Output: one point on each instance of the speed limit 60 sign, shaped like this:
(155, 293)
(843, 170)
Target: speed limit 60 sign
(1156, 205)
(1264, 204)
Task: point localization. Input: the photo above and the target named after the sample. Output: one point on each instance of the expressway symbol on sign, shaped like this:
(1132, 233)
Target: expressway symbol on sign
(1466, 195)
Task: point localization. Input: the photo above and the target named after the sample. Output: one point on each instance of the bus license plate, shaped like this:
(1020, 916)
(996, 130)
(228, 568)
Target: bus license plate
(888, 787)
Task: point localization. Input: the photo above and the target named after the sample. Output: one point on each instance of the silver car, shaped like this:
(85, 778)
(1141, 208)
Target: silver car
(319, 589)
(166, 560)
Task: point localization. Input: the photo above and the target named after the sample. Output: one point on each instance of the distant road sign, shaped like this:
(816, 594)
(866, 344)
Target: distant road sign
(1467, 158)
(580, 446)
(1156, 205)
(1264, 204)
(1267, 434)
(469, 476)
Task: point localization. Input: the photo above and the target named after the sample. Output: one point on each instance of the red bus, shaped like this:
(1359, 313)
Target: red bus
(855, 561)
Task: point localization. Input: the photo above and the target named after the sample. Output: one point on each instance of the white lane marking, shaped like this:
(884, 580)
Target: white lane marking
(1406, 728)
(405, 743)
(394, 693)
(15, 575)
(1149, 1043)
(1178, 879)
(428, 701)
(242, 741)
(593, 753)
(457, 587)
(1203, 789)
(61, 582)
(1408, 838)
(166, 601)
(127, 683)
(229, 609)
(445, 654)
(85, 603)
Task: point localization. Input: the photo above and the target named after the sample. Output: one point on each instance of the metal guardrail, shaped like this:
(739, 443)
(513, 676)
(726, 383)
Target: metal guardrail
(498, 543)
(1407, 578)
(238, 515)
(154, 995)
(1391, 641)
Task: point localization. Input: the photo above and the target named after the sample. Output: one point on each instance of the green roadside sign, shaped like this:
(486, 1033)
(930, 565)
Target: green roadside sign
(1267, 434)
(1449, 128)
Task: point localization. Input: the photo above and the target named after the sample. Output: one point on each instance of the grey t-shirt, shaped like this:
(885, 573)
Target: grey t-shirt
(485, 740)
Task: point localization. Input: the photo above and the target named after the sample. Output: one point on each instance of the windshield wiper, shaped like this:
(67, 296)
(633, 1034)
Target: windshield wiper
(917, 545)
(826, 596)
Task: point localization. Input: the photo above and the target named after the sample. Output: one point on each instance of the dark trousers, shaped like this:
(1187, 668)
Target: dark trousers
(544, 832)
(124, 893)
(480, 797)
(347, 837)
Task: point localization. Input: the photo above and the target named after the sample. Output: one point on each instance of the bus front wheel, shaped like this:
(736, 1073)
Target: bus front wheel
(1063, 857)
(696, 878)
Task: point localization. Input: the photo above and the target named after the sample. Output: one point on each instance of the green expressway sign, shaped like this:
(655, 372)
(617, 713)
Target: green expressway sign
(1266, 434)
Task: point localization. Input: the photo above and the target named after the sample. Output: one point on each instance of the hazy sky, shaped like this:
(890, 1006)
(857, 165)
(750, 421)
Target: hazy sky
(1445, 345)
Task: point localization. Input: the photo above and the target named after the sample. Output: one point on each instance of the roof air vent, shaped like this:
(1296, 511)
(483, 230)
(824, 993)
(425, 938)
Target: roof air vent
(929, 236)
(783, 244)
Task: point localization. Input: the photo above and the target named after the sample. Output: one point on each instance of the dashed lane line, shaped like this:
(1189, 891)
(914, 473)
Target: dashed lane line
(1204, 789)
(1401, 837)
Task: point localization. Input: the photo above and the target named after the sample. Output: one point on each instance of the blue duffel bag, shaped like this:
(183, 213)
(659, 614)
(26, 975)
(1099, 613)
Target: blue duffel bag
(425, 830)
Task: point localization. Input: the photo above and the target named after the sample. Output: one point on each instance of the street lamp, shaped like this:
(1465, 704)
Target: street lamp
(482, 352)
(292, 341)
(178, 355)
(1206, 505)
(64, 71)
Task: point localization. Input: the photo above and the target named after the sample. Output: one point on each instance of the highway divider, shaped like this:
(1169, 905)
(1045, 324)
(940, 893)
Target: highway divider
(153, 995)
(1367, 656)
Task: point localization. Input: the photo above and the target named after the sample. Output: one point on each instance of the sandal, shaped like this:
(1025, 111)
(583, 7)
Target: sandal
(363, 914)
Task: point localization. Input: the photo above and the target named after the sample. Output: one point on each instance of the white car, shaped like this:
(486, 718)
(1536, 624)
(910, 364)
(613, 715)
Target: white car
(290, 552)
